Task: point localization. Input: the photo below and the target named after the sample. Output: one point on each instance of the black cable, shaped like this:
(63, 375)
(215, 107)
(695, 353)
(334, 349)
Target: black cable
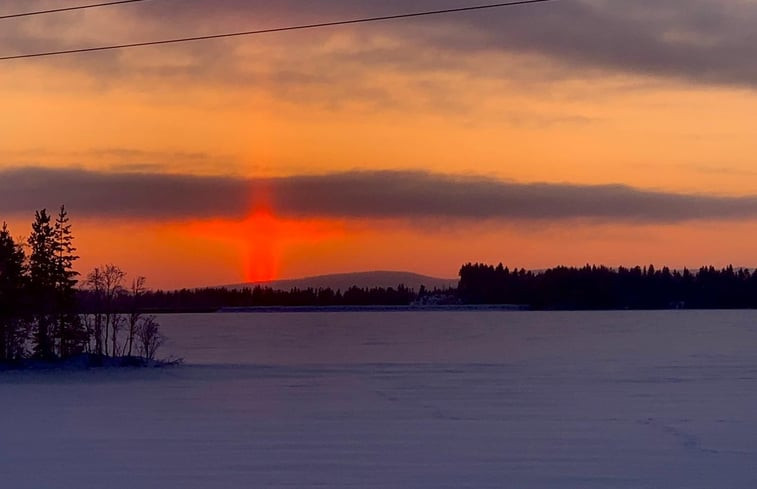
(276, 29)
(66, 9)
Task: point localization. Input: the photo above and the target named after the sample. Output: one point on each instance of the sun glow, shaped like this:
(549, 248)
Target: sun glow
(262, 238)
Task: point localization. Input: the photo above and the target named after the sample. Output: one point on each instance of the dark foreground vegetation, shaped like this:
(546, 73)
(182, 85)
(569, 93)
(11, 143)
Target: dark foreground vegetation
(49, 315)
(597, 287)
(213, 299)
(561, 288)
(42, 320)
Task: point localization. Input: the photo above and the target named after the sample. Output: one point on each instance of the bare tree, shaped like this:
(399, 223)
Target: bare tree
(149, 336)
(116, 325)
(113, 280)
(96, 283)
(87, 325)
(137, 290)
(106, 285)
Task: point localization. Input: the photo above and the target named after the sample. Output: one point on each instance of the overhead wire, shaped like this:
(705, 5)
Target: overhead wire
(362, 20)
(66, 9)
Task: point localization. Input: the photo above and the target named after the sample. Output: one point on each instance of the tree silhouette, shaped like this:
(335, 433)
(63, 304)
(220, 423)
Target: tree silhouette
(43, 279)
(40, 304)
(149, 336)
(599, 287)
(96, 322)
(136, 292)
(12, 288)
(69, 331)
(106, 284)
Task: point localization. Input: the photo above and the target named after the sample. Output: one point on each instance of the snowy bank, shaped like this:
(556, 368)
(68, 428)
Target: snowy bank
(88, 360)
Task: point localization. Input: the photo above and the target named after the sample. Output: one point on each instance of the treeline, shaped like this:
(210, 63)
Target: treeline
(41, 317)
(560, 288)
(212, 299)
(48, 312)
(599, 287)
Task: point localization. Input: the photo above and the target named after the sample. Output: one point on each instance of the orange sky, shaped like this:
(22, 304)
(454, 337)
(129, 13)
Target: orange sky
(366, 98)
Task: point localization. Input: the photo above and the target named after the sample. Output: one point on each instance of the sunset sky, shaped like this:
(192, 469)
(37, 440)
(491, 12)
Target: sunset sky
(600, 131)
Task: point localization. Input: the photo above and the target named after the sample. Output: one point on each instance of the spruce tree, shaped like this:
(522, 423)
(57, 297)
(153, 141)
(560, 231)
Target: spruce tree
(69, 331)
(42, 281)
(12, 289)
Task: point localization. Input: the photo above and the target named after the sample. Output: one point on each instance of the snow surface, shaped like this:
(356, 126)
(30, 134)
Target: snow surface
(402, 400)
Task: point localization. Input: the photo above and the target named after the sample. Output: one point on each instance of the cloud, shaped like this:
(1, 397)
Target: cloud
(708, 41)
(352, 195)
(122, 195)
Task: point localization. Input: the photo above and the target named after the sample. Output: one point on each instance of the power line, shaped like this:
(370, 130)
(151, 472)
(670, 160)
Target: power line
(363, 20)
(66, 9)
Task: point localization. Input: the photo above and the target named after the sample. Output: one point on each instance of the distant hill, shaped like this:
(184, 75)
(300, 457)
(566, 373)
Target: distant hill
(344, 281)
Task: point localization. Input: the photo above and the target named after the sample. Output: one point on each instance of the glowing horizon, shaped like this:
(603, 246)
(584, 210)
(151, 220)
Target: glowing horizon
(409, 146)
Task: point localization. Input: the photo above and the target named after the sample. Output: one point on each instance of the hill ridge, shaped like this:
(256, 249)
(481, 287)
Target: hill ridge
(343, 281)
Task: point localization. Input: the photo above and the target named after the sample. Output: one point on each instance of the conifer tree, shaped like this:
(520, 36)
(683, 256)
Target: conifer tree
(12, 288)
(69, 329)
(42, 281)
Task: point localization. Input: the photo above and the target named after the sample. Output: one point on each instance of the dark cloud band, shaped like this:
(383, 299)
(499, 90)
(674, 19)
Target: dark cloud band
(371, 195)
(701, 41)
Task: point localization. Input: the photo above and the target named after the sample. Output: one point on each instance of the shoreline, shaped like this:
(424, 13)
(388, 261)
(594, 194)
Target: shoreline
(87, 361)
(373, 308)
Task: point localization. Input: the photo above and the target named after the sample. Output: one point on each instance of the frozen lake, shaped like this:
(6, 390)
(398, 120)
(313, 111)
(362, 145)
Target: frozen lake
(403, 400)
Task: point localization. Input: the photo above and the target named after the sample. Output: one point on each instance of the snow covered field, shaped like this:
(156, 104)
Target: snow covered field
(402, 400)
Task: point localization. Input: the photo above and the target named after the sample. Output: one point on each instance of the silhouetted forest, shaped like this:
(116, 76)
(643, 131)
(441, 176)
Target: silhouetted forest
(599, 287)
(48, 313)
(41, 315)
(213, 299)
(560, 288)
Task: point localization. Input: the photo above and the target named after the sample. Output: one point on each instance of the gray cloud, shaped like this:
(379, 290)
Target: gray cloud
(701, 41)
(371, 195)
(138, 195)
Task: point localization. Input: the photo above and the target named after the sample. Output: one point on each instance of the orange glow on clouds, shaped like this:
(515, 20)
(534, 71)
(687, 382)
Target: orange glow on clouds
(281, 106)
(263, 238)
